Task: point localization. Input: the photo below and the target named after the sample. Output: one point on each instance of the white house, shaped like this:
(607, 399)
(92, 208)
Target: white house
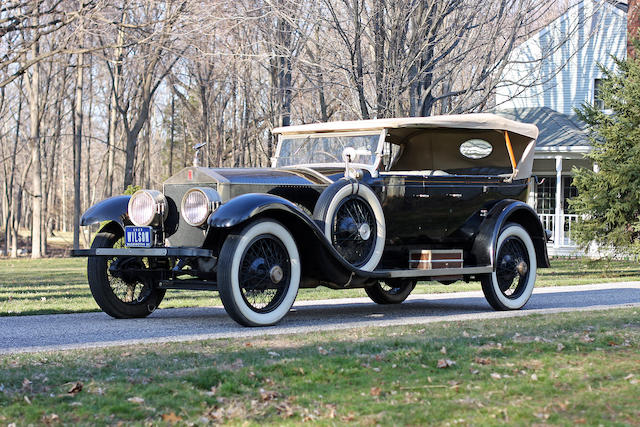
(551, 74)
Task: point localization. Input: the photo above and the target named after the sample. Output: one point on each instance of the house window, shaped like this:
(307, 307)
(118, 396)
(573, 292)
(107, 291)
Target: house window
(598, 102)
(569, 192)
(546, 196)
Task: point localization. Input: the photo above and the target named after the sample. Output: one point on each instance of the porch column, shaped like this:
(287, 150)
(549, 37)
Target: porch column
(558, 225)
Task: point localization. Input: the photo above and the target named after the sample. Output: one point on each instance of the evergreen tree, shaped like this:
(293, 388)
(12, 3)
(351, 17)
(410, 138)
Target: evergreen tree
(609, 200)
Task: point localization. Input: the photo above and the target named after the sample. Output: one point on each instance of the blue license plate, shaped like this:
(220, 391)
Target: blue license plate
(137, 237)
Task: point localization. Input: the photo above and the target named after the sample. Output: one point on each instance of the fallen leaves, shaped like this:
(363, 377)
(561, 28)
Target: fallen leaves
(50, 419)
(587, 338)
(482, 361)
(237, 364)
(267, 395)
(445, 363)
(75, 389)
(136, 399)
(171, 418)
(375, 391)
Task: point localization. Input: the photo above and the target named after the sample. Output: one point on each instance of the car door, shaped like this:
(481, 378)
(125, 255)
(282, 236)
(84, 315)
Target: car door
(414, 209)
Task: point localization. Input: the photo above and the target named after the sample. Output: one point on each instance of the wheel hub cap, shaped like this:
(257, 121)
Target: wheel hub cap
(365, 231)
(276, 274)
(522, 268)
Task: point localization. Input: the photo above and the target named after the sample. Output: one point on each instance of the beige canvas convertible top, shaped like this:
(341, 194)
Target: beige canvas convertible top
(480, 121)
(432, 143)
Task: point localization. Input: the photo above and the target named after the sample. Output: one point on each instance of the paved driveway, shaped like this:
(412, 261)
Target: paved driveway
(84, 330)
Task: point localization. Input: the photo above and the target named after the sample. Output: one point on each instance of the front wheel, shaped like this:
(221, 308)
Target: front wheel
(259, 273)
(390, 292)
(122, 286)
(510, 286)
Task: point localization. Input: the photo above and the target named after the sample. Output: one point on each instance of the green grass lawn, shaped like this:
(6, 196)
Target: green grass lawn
(567, 369)
(59, 285)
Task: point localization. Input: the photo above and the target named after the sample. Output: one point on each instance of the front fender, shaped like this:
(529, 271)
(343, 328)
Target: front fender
(484, 245)
(244, 207)
(320, 258)
(111, 209)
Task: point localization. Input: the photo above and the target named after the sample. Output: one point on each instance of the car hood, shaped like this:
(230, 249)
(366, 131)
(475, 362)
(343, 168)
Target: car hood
(249, 176)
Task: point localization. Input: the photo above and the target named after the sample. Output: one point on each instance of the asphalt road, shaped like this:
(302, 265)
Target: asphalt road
(68, 331)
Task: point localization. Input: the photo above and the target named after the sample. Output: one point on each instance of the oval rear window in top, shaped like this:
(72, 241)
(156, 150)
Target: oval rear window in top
(476, 149)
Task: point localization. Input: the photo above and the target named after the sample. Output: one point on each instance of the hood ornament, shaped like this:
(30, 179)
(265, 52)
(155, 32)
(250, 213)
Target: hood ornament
(196, 158)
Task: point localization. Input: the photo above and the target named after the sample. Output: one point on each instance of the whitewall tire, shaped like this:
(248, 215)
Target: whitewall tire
(352, 219)
(259, 273)
(510, 285)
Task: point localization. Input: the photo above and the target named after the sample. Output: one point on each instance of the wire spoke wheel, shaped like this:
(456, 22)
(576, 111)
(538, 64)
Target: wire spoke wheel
(510, 286)
(354, 229)
(393, 288)
(126, 277)
(390, 291)
(259, 272)
(124, 286)
(265, 272)
(512, 267)
(351, 218)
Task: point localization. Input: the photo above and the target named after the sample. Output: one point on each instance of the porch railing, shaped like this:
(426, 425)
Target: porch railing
(565, 233)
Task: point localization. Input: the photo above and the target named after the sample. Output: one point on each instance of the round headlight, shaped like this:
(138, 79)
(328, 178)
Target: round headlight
(197, 205)
(147, 207)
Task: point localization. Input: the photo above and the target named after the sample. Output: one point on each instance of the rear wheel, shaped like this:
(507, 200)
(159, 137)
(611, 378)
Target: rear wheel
(259, 273)
(510, 286)
(122, 286)
(390, 292)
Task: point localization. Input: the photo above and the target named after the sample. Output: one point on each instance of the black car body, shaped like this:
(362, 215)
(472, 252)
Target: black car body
(377, 204)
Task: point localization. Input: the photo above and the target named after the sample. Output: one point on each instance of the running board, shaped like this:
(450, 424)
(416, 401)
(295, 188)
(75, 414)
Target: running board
(188, 284)
(435, 272)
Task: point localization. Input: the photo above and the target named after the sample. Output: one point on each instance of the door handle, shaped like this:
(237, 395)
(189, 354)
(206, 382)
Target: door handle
(454, 195)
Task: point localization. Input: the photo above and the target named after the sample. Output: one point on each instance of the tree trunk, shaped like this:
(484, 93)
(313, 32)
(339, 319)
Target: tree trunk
(35, 145)
(147, 153)
(379, 60)
(17, 212)
(11, 191)
(88, 199)
(77, 151)
(113, 108)
(172, 134)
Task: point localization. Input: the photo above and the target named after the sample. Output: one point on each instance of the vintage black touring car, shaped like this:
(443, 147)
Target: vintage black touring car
(374, 204)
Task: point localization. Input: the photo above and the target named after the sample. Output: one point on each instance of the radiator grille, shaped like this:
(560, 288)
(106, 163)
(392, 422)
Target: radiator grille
(179, 233)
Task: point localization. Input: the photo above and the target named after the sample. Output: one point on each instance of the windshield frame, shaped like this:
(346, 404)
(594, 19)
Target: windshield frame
(372, 168)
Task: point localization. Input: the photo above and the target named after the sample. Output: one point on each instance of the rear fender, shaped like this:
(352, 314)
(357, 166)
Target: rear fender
(506, 211)
(111, 209)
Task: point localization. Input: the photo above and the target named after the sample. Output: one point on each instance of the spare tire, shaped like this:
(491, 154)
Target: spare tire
(351, 217)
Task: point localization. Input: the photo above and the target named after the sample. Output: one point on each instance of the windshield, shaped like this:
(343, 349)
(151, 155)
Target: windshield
(323, 148)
